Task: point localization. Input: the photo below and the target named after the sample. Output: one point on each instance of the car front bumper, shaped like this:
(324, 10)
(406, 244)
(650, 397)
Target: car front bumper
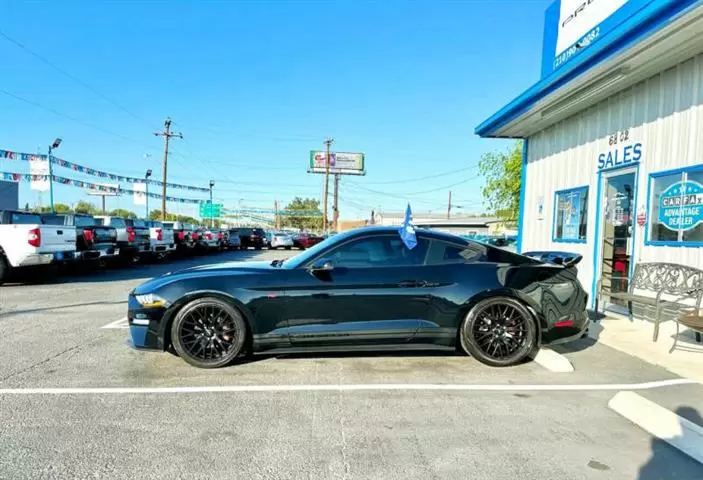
(145, 326)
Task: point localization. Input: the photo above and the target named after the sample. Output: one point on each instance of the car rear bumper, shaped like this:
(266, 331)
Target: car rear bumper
(163, 248)
(34, 259)
(562, 332)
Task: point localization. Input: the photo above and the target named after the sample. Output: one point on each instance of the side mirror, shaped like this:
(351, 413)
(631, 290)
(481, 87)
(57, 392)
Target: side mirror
(322, 265)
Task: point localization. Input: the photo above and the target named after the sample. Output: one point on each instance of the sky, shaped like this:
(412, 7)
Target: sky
(254, 86)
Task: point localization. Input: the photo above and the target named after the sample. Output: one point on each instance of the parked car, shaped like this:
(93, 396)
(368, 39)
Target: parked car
(133, 237)
(233, 241)
(251, 237)
(25, 240)
(306, 240)
(209, 239)
(94, 242)
(183, 236)
(364, 288)
(281, 240)
(161, 239)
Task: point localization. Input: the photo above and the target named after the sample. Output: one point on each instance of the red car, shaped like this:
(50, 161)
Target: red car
(306, 240)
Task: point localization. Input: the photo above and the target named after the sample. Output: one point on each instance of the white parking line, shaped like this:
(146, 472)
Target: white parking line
(345, 388)
(660, 422)
(118, 324)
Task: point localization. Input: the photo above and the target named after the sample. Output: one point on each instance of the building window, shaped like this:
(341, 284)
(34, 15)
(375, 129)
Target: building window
(676, 207)
(571, 215)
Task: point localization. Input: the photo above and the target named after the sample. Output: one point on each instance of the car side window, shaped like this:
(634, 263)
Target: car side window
(379, 251)
(445, 253)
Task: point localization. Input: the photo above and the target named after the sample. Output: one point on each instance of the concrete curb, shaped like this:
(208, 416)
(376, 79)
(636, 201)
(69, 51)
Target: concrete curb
(553, 361)
(660, 422)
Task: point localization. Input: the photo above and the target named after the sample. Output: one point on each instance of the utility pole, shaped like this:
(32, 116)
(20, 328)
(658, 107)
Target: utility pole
(167, 134)
(328, 143)
(335, 209)
(276, 218)
(449, 205)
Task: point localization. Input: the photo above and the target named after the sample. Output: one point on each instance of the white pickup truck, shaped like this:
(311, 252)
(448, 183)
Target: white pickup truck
(161, 239)
(25, 241)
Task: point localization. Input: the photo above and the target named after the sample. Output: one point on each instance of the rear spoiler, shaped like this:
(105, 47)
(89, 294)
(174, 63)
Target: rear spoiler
(567, 259)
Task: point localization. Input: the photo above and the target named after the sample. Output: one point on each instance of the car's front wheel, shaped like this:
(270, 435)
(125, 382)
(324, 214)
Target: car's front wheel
(208, 333)
(499, 332)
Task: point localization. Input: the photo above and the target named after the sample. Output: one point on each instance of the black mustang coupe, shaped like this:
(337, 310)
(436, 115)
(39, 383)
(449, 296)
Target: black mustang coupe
(365, 290)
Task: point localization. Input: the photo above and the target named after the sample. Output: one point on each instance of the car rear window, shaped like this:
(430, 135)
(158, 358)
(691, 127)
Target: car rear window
(258, 231)
(53, 219)
(25, 218)
(138, 223)
(245, 231)
(169, 225)
(118, 222)
(85, 221)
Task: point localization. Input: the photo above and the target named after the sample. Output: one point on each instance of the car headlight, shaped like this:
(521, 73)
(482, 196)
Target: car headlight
(150, 300)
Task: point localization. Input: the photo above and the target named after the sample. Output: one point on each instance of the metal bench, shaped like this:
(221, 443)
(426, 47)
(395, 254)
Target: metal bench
(672, 286)
(692, 319)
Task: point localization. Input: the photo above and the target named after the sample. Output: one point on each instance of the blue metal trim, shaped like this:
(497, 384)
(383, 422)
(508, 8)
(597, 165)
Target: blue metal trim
(636, 186)
(650, 179)
(523, 188)
(648, 20)
(554, 216)
(596, 242)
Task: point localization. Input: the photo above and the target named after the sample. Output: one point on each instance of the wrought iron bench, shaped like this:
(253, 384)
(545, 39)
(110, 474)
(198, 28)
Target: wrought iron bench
(670, 285)
(693, 320)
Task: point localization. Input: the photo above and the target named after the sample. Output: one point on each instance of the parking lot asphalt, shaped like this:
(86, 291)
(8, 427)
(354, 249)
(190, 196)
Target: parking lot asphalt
(303, 416)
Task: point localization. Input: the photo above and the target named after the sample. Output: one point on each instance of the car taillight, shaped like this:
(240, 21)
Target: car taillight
(181, 236)
(208, 236)
(219, 235)
(194, 236)
(88, 235)
(159, 234)
(131, 234)
(34, 237)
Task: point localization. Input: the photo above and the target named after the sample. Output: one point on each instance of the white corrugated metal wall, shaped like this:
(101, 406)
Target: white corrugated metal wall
(664, 113)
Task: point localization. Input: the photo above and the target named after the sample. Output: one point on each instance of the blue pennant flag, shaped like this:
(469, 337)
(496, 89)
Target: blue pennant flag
(407, 230)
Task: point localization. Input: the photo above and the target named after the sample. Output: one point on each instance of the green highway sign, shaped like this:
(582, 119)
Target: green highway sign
(210, 210)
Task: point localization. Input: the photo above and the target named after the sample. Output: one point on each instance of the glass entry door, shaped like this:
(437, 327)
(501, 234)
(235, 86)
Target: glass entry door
(616, 251)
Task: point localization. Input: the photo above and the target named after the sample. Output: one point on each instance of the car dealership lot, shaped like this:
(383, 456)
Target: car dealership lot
(302, 416)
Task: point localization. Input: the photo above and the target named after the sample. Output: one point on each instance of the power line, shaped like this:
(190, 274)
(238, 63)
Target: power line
(417, 179)
(411, 194)
(73, 119)
(73, 77)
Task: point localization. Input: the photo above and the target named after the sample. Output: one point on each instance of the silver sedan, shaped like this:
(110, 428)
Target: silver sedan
(281, 239)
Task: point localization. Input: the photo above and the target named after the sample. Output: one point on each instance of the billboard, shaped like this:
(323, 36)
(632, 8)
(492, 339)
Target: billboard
(109, 190)
(340, 162)
(572, 26)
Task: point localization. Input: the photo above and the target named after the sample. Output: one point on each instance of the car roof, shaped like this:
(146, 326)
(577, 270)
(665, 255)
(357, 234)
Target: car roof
(383, 229)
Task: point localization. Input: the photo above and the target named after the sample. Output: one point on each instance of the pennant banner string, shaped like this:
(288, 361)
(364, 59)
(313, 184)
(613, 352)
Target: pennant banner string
(28, 177)
(29, 157)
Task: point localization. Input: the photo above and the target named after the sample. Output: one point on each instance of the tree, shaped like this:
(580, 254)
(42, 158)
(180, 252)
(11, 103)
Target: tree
(304, 221)
(58, 208)
(121, 212)
(501, 191)
(86, 208)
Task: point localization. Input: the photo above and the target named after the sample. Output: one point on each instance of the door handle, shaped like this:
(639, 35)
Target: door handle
(59, 232)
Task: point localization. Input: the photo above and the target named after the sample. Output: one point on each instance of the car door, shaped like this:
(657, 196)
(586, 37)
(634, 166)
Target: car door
(363, 292)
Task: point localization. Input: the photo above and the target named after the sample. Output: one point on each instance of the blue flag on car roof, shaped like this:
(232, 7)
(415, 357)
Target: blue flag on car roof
(407, 230)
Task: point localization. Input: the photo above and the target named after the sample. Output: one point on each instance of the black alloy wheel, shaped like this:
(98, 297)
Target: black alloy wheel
(499, 332)
(208, 333)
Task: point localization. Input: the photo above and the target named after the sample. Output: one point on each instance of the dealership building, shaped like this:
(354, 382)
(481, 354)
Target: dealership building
(613, 136)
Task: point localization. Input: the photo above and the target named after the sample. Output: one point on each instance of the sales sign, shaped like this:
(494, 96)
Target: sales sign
(681, 206)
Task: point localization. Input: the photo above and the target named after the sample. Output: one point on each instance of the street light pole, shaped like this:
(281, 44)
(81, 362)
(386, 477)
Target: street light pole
(52, 147)
(146, 191)
(212, 218)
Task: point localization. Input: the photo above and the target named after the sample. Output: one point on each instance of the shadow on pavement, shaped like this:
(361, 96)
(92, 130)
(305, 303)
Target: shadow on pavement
(58, 307)
(667, 462)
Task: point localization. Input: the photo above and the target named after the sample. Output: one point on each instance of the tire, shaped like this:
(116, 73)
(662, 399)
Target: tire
(4, 269)
(494, 318)
(193, 317)
(288, 248)
(258, 247)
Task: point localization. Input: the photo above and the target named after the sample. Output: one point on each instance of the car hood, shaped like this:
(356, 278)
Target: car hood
(202, 271)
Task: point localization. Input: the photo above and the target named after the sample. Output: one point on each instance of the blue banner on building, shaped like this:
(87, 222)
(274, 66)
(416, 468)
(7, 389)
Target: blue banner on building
(681, 206)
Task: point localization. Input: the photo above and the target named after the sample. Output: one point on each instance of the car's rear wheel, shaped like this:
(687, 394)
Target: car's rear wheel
(208, 333)
(499, 332)
(4, 268)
